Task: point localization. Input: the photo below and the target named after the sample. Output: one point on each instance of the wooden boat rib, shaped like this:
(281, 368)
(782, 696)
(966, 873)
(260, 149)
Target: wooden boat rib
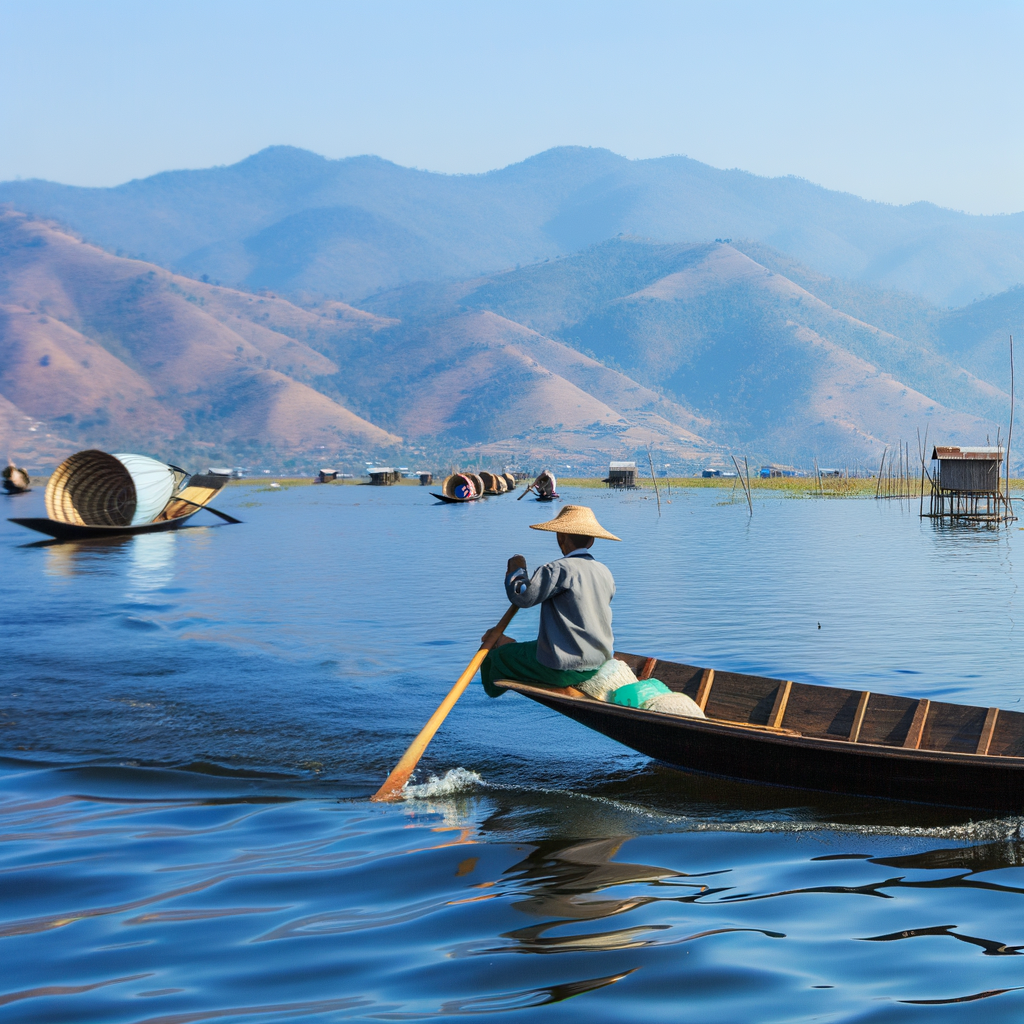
(814, 737)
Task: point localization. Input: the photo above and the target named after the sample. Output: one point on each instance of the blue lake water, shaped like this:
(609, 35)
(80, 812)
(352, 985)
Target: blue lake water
(191, 725)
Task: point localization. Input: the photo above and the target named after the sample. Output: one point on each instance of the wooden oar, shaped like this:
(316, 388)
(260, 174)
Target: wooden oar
(223, 515)
(393, 785)
(525, 493)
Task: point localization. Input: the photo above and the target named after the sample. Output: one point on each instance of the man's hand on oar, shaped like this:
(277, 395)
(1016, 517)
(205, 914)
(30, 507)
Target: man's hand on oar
(395, 782)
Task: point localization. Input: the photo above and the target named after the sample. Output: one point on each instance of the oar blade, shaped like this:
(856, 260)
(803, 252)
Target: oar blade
(394, 784)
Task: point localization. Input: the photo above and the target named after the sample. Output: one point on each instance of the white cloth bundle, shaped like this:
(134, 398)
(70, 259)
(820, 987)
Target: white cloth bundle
(674, 704)
(615, 674)
(607, 679)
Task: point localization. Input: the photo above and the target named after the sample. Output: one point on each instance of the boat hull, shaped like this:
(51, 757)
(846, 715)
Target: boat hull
(70, 531)
(733, 751)
(454, 501)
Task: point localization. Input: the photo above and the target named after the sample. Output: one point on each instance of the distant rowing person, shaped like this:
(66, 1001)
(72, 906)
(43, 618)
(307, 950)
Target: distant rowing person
(544, 485)
(575, 594)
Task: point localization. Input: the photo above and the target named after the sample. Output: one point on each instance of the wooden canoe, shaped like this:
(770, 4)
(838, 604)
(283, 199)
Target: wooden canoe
(454, 501)
(201, 490)
(812, 737)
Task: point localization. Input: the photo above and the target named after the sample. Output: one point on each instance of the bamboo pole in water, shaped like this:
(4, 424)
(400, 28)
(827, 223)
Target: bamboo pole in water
(746, 483)
(657, 494)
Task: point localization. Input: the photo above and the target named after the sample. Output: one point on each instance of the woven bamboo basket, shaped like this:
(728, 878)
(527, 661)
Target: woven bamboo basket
(92, 488)
(453, 481)
(493, 484)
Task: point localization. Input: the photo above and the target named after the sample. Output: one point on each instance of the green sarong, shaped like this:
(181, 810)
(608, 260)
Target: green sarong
(519, 662)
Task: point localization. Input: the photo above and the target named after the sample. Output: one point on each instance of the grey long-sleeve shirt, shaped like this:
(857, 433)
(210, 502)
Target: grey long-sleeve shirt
(575, 595)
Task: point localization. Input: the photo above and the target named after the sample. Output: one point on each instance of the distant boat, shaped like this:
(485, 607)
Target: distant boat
(16, 480)
(459, 488)
(93, 494)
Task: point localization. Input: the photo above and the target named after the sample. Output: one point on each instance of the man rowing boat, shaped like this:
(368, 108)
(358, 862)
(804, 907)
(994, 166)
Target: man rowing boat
(575, 594)
(545, 485)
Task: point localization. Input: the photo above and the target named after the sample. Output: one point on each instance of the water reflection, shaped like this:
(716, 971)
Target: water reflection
(86, 558)
(989, 946)
(151, 563)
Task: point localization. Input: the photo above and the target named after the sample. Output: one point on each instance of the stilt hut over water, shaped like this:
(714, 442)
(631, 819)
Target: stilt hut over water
(621, 475)
(966, 484)
(384, 476)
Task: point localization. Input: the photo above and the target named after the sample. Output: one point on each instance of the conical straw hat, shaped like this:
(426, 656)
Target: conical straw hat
(576, 519)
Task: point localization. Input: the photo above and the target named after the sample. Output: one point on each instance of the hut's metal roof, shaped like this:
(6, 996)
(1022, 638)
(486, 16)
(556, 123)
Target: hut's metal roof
(622, 465)
(944, 453)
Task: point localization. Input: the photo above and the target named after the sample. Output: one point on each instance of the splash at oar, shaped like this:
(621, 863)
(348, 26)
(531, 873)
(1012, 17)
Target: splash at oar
(395, 782)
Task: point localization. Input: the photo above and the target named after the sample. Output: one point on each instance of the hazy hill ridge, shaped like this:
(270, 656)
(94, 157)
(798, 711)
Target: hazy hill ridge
(295, 222)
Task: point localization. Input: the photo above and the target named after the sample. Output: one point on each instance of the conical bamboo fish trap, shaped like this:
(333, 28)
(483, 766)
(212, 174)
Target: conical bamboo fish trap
(510, 481)
(92, 488)
(453, 481)
(478, 482)
(493, 484)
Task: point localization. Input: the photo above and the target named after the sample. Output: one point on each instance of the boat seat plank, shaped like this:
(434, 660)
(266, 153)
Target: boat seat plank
(988, 728)
(912, 741)
(779, 705)
(858, 715)
(707, 679)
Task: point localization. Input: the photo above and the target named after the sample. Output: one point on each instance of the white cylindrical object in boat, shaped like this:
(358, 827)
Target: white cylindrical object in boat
(92, 488)
(154, 485)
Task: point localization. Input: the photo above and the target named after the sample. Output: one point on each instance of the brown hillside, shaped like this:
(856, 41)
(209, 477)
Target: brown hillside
(498, 388)
(121, 352)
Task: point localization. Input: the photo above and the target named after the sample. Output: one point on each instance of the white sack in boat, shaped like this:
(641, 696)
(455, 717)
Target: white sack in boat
(154, 485)
(607, 679)
(674, 704)
(614, 674)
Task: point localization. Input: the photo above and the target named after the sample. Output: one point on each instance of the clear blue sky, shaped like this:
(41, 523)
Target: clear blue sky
(892, 101)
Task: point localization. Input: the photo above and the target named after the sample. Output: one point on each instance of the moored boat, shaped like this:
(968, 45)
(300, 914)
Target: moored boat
(15, 479)
(463, 487)
(493, 484)
(93, 494)
(815, 737)
(458, 488)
